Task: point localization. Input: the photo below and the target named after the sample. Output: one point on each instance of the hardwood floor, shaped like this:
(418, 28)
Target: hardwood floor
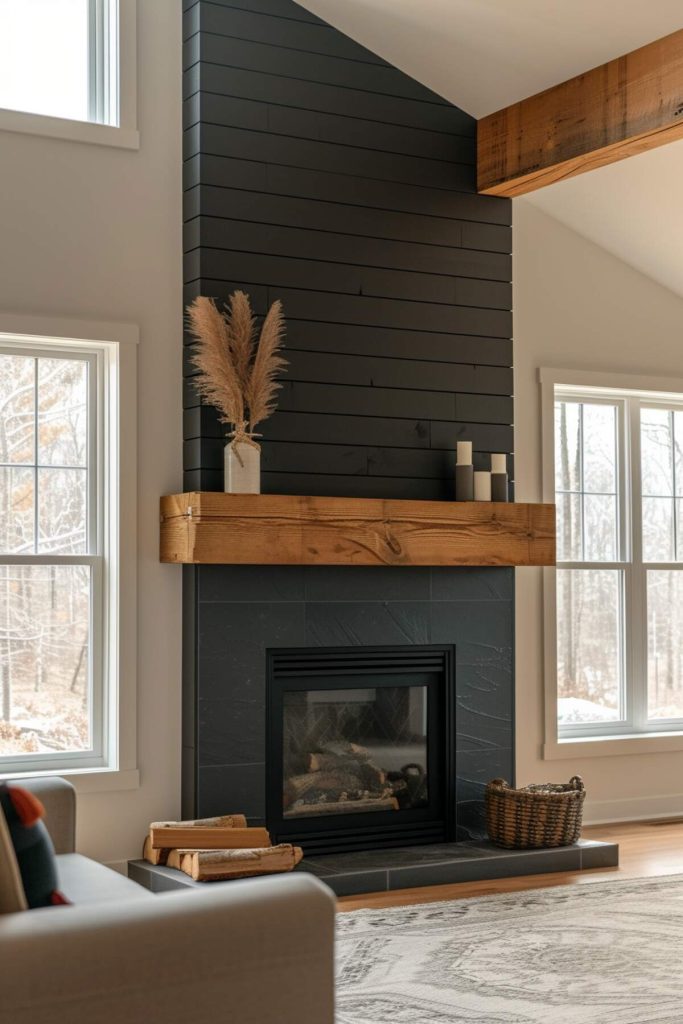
(645, 849)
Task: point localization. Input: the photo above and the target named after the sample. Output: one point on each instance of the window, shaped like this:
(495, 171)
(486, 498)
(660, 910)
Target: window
(56, 546)
(59, 58)
(617, 592)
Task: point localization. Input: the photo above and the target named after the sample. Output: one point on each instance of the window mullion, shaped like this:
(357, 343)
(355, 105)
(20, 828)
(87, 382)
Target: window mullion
(637, 621)
(98, 61)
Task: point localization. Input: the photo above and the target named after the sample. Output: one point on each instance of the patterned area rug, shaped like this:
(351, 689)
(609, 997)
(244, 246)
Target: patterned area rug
(585, 954)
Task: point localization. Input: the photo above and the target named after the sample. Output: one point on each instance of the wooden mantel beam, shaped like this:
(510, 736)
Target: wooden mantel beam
(624, 107)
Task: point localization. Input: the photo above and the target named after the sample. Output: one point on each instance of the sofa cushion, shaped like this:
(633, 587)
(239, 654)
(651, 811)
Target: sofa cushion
(85, 881)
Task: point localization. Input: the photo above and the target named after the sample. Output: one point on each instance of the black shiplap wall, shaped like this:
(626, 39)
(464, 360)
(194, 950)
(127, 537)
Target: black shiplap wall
(318, 174)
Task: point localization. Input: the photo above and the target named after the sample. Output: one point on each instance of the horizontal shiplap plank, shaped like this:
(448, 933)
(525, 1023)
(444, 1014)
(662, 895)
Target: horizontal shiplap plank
(484, 408)
(331, 486)
(325, 156)
(485, 437)
(261, 27)
(340, 278)
(400, 403)
(202, 422)
(390, 344)
(366, 371)
(406, 403)
(370, 372)
(204, 480)
(227, 111)
(329, 187)
(347, 459)
(250, 83)
(398, 344)
(337, 460)
(314, 67)
(368, 311)
(244, 235)
(425, 488)
(340, 218)
(276, 8)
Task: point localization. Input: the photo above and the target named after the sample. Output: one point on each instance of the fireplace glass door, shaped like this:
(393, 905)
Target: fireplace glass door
(349, 751)
(359, 746)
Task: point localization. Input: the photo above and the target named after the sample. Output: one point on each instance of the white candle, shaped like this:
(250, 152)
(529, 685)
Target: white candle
(464, 453)
(482, 485)
(499, 464)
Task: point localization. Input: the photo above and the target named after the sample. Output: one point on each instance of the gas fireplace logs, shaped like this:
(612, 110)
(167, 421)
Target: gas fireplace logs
(211, 849)
(342, 778)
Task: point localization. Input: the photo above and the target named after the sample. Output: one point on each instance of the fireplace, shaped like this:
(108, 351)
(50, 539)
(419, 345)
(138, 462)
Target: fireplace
(360, 746)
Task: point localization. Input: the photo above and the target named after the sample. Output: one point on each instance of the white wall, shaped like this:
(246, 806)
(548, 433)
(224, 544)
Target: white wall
(94, 233)
(578, 307)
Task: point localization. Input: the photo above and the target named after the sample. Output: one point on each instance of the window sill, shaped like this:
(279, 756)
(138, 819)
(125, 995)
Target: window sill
(73, 131)
(87, 780)
(613, 746)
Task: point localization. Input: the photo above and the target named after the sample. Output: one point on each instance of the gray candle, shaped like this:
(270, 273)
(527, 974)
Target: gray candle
(499, 478)
(464, 472)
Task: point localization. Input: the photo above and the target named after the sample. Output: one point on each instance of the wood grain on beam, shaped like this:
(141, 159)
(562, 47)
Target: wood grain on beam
(627, 106)
(277, 529)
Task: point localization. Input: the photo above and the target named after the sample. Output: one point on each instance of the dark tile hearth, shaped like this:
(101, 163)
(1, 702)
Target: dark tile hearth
(355, 873)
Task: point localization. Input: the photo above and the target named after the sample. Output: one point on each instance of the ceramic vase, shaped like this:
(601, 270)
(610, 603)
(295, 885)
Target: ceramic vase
(242, 469)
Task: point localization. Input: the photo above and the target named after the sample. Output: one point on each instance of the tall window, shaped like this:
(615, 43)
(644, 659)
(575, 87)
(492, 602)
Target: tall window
(618, 471)
(53, 541)
(59, 58)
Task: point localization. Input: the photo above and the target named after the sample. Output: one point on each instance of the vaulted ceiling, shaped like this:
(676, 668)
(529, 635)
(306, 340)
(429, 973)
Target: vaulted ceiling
(486, 54)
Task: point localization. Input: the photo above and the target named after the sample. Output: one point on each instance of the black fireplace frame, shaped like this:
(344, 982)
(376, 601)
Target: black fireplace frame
(305, 668)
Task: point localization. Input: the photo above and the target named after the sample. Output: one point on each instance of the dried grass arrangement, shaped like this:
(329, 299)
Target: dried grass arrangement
(238, 367)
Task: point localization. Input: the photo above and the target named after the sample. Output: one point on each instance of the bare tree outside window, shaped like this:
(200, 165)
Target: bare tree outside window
(618, 584)
(45, 528)
(588, 598)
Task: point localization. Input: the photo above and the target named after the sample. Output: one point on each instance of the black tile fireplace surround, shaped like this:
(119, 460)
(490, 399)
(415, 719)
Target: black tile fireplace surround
(235, 615)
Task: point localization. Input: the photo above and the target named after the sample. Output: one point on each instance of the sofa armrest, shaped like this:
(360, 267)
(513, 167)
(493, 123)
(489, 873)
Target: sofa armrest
(257, 951)
(58, 797)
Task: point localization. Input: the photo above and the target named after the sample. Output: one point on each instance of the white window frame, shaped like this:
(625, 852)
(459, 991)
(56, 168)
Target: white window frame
(112, 63)
(635, 734)
(112, 351)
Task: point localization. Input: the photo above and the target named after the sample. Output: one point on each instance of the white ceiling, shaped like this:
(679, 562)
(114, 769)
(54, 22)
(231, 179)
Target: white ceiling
(634, 209)
(486, 54)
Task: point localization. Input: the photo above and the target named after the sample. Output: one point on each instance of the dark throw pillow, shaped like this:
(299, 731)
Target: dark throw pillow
(32, 846)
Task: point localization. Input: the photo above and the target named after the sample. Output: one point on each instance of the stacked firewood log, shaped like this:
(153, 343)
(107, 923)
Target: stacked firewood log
(214, 849)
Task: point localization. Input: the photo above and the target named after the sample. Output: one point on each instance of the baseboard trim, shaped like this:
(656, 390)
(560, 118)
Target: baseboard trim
(608, 812)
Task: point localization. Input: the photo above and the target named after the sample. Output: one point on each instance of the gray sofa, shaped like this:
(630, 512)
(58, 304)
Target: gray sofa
(256, 951)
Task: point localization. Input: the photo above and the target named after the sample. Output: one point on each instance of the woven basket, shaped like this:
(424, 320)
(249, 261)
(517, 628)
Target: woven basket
(536, 816)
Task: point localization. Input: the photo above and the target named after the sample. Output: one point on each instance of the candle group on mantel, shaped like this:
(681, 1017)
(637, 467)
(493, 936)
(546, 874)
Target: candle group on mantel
(481, 484)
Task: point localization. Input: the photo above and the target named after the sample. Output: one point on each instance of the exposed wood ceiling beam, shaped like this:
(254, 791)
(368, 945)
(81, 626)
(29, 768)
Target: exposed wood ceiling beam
(624, 107)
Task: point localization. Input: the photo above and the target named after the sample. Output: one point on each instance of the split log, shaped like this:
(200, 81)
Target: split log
(338, 781)
(222, 821)
(372, 776)
(201, 838)
(303, 810)
(345, 749)
(216, 865)
(151, 855)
